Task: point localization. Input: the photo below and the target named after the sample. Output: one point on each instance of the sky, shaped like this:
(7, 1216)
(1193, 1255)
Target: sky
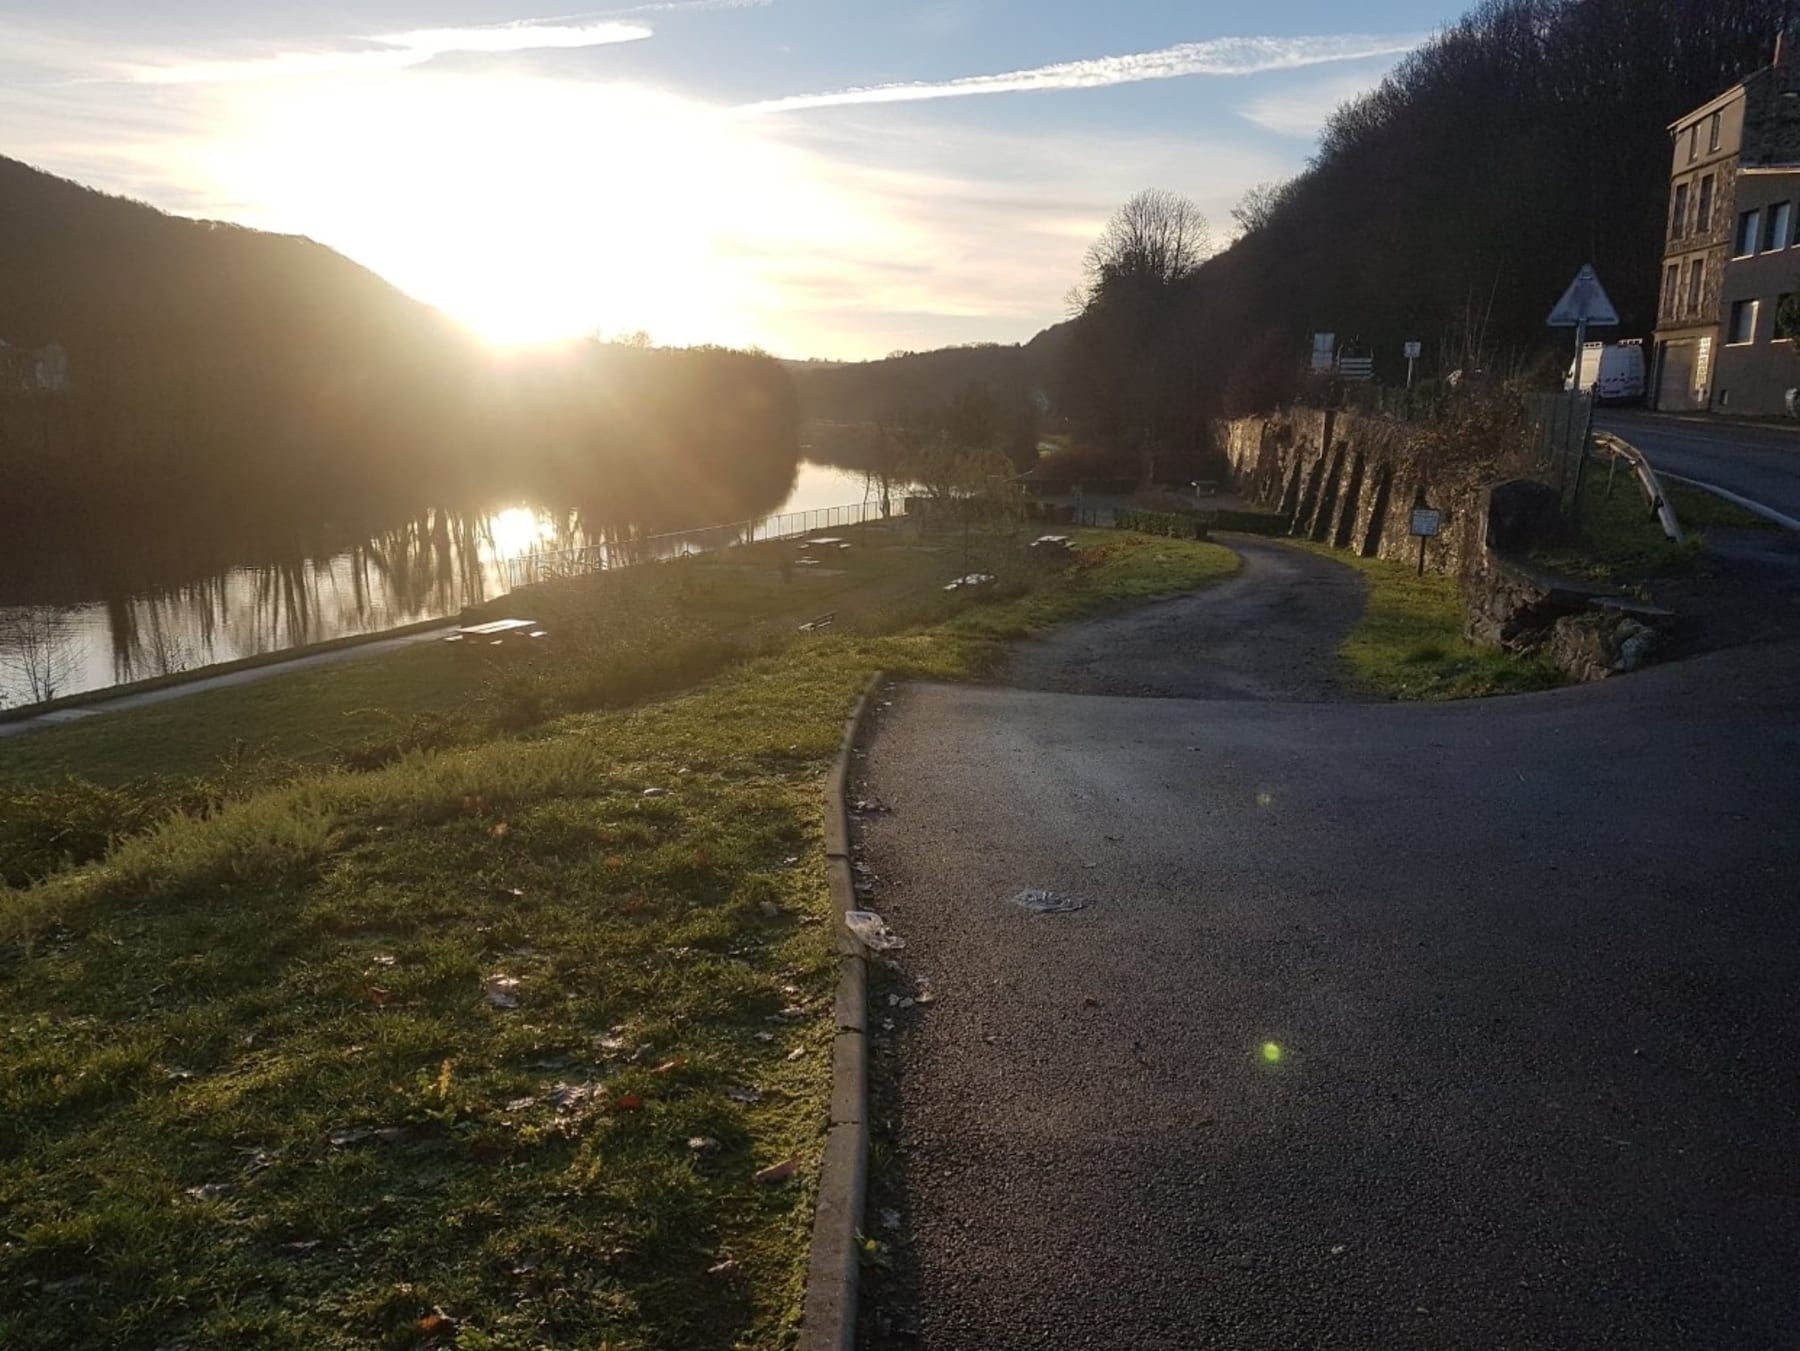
(813, 177)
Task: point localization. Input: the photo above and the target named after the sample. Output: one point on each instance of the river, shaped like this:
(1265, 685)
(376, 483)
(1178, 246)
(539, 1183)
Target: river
(430, 569)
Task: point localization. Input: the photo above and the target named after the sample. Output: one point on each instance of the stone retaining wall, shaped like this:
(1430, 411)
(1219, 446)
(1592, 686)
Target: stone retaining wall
(1352, 481)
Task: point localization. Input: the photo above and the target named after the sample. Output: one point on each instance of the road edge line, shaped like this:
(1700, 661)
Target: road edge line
(828, 1309)
(1756, 508)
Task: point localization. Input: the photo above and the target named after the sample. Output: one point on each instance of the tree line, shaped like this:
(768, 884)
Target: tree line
(1450, 205)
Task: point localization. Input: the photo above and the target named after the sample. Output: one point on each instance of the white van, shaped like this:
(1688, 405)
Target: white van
(1614, 372)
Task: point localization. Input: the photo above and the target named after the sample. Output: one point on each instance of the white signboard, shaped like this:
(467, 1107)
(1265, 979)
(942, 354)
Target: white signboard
(1413, 350)
(1324, 353)
(1426, 521)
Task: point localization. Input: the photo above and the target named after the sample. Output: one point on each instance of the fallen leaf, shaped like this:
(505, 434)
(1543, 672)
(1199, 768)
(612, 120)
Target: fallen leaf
(740, 1093)
(722, 1269)
(379, 997)
(521, 1104)
(798, 1053)
(702, 1144)
(500, 989)
(437, 1323)
(567, 1098)
(777, 1172)
(383, 959)
(210, 1191)
(656, 792)
(1088, 1001)
(628, 1102)
(500, 829)
(670, 1066)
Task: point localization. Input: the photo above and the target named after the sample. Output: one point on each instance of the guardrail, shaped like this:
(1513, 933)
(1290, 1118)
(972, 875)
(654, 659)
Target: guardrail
(1619, 448)
(549, 564)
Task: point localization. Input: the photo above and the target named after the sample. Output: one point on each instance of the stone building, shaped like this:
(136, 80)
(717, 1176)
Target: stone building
(1725, 334)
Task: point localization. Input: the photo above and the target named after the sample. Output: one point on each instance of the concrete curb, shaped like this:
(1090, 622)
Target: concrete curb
(828, 1315)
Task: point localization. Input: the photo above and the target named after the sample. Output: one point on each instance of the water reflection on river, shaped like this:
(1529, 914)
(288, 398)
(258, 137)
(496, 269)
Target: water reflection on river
(428, 569)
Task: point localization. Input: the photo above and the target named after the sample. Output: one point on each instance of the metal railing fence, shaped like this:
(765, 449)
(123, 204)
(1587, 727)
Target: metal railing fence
(550, 564)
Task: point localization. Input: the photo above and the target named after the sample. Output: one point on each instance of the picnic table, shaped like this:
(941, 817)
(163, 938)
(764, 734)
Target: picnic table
(500, 633)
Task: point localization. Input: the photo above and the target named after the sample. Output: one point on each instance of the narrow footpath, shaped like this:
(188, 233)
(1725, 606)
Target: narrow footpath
(1379, 1026)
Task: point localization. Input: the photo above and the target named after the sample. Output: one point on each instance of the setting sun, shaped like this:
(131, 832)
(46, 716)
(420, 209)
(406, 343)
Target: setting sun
(532, 210)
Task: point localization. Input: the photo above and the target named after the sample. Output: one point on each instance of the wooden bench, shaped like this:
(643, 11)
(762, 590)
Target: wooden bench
(824, 621)
(507, 633)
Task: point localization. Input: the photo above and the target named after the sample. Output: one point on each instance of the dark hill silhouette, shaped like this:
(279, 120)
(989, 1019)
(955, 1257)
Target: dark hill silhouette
(231, 384)
(899, 385)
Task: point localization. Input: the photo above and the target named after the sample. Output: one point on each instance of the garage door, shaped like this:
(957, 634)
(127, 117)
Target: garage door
(1678, 376)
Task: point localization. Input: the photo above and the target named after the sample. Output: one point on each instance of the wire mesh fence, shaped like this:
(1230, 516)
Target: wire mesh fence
(550, 564)
(1559, 427)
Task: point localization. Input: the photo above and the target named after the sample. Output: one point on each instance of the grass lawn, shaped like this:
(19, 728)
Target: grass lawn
(482, 1033)
(1620, 542)
(1409, 642)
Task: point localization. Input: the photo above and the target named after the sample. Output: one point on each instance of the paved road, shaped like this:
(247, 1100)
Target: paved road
(1271, 632)
(1531, 966)
(1762, 464)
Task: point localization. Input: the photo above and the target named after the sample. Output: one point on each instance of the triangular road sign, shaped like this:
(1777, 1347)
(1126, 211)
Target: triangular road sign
(1584, 302)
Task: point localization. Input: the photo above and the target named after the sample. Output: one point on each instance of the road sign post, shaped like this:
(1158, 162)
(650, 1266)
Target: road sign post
(1585, 304)
(1413, 350)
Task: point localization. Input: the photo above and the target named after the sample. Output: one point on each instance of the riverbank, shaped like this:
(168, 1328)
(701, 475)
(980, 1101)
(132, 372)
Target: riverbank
(512, 1019)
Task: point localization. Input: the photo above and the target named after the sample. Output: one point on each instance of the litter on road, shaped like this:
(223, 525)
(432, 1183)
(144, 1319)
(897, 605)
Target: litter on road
(869, 929)
(1045, 902)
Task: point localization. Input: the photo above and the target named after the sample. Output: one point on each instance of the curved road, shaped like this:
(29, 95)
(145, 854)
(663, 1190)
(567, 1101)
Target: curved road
(1760, 463)
(1271, 632)
(1528, 966)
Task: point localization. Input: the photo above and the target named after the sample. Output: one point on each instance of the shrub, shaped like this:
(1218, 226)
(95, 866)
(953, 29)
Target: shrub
(46, 829)
(1173, 524)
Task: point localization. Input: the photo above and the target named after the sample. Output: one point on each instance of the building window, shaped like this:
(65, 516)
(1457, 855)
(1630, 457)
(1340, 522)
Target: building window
(1696, 278)
(1693, 143)
(1743, 323)
(1703, 206)
(1671, 295)
(1713, 136)
(1781, 223)
(1787, 318)
(1678, 212)
(1748, 232)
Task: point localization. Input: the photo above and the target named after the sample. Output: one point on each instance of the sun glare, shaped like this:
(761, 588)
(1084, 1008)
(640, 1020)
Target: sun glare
(530, 209)
(518, 531)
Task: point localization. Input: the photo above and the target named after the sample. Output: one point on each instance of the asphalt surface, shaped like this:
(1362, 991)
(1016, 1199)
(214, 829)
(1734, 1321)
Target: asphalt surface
(1271, 632)
(1531, 966)
(1762, 464)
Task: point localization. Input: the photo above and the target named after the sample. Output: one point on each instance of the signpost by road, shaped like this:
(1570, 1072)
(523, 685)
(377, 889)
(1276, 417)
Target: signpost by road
(1413, 350)
(1585, 304)
(1426, 522)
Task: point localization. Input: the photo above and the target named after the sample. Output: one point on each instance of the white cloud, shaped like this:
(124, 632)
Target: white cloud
(1216, 56)
(1302, 111)
(392, 51)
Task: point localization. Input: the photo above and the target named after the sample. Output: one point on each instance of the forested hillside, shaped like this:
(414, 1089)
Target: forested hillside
(1451, 205)
(227, 381)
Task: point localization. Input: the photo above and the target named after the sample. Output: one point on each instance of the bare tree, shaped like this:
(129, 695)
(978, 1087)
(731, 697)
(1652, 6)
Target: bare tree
(1258, 206)
(1157, 237)
(34, 648)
